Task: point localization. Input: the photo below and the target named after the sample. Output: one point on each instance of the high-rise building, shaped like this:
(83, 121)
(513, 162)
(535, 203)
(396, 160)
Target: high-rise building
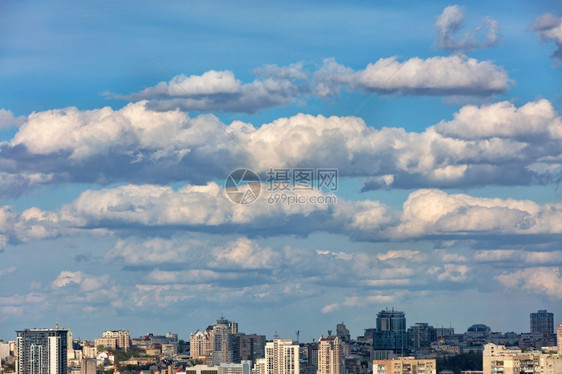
(225, 344)
(198, 345)
(251, 346)
(42, 351)
(404, 365)
(343, 333)
(281, 357)
(391, 331)
(542, 322)
(329, 355)
(421, 335)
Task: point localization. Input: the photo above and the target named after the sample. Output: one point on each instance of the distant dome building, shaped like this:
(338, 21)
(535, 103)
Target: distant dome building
(479, 328)
(478, 331)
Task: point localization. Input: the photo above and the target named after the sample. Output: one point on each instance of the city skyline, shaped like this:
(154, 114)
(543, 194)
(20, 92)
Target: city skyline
(288, 165)
(304, 336)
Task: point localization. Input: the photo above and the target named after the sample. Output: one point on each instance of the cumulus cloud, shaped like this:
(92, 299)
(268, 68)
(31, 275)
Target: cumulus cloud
(450, 22)
(434, 212)
(31, 224)
(435, 76)
(248, 255)
(496, 144)
(535, 121)
(276, 86)
(541, 280)
(549, 29)
(149, 208)
(454, 273)
(221, 91)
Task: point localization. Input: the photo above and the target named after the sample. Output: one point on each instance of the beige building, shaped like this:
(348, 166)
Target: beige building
(123, 338)
(88, 366)
(329, 355)
(108, 343)
(497, 359)
(199, 345)
(404, 365)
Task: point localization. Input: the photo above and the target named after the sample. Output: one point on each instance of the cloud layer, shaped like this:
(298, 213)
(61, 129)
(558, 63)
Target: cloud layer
(492, 144)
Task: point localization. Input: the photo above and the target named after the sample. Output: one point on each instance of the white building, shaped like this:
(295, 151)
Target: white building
(281, 357)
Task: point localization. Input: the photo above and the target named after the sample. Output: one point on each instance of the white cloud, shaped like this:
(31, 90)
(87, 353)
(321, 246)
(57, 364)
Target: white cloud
(453, 75)
(87, 283)
(542, 280)
(519, 256)
(433, 212)
(454, 273)
(221, 91)
(450, 22)
(491, 144)
(247, 254)
(534, 121)
(549, 28)
(401, 254)
(152, 251)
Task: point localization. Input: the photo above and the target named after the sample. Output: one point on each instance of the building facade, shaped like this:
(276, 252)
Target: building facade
(281, 357)
(542, 322)
(42, 351)
(421, 335)
(404, 365)
(497, 359)
(329, 355)
(391, 331)
(122, 338)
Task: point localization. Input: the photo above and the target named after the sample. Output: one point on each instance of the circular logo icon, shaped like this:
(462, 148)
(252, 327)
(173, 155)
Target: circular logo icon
(242, 186)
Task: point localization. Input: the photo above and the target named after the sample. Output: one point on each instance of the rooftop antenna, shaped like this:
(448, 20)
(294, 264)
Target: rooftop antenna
(298, 333)
(329, 332)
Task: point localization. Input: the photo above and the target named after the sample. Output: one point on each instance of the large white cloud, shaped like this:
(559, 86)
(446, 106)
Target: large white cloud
(542, 280)
(453, 75)
(428, 212)
(434, 212)
(492, 144)
(221, 91)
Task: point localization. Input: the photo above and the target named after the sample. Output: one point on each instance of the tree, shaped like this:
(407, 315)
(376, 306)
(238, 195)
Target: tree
(100, 348)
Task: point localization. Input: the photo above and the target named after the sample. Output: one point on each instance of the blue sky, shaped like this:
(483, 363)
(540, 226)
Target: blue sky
(121, 121)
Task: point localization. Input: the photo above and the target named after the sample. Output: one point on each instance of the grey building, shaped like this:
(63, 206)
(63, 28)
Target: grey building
(421, 335)
(542, 322)
(42, 351)
(343, 333)
(391, 331)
